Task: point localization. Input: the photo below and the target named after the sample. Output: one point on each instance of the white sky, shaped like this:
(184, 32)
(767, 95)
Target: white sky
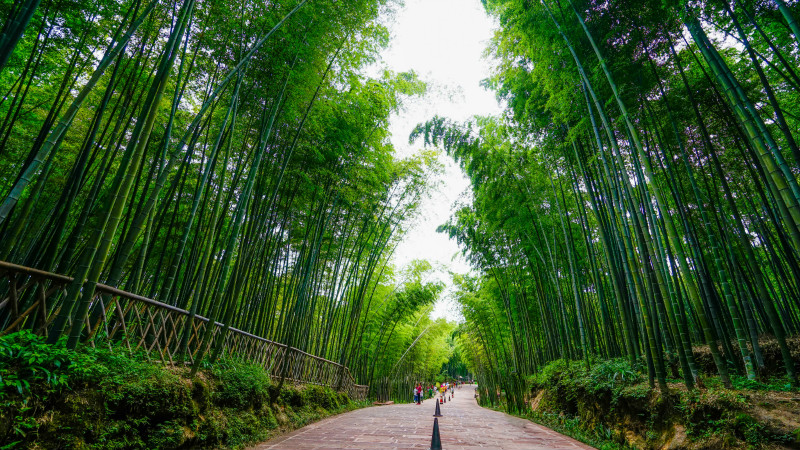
(443, 41)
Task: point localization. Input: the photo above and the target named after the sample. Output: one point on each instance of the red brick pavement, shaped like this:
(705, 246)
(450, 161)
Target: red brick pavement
(464, 426)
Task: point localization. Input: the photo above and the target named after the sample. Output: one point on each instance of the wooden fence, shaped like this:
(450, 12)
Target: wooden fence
(155, 328)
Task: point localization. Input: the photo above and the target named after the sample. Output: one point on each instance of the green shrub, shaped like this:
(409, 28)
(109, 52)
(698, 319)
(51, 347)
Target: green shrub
(157, 394)
(613, 373)
(571, 378)
(26, 360)
(292, 397)
(242, 385)
(320, 396)
(549, 374)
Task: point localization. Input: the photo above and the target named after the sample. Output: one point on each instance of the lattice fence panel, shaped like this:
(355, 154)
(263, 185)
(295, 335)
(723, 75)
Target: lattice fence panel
(140, 324)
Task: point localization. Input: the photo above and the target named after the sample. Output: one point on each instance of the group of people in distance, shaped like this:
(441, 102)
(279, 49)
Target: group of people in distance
(421, 393)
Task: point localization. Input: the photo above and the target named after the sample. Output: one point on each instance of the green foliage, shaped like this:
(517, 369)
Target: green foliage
(322, 397)
(722, 414)
(25, 359)
(158, 394)
(405, 345)
(292, 398)
(610, 214)
(271, 149)
(242, 386)
(612, 406)
(600, 437)
(613, 373)
(111, 400)
(776, 384)
(549, 374)
(615, 377)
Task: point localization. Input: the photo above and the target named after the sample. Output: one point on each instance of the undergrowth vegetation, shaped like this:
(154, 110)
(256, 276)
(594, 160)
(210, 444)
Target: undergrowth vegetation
(611, 406)
(101, 398)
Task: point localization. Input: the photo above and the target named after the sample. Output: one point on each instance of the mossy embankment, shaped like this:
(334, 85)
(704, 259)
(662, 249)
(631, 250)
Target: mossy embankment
(51, 398)
(611, 406)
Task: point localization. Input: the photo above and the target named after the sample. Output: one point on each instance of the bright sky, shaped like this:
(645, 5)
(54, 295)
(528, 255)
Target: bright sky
(443, 41)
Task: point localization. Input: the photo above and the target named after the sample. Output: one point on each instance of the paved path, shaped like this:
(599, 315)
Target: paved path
(465, 426)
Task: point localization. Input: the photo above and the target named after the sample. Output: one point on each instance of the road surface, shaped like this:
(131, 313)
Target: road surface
(464, 426)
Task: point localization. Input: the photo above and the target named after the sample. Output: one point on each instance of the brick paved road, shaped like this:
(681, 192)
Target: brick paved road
(465, 426)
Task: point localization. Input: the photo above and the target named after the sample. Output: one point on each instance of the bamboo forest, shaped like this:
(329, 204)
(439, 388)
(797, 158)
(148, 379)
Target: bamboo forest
(214, 191)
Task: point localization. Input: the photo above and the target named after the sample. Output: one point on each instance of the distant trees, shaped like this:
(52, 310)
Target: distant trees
(402, 345)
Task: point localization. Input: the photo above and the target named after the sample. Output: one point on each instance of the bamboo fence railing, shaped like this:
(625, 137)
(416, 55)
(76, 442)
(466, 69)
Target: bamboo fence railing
(142, 324)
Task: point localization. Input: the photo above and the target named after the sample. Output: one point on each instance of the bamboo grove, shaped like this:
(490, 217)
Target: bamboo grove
(405, 346)
(639, 197)
(227, 158)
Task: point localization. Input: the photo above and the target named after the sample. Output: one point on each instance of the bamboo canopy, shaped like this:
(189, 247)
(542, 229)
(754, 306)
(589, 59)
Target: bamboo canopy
(170, 165)
(638, 199)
